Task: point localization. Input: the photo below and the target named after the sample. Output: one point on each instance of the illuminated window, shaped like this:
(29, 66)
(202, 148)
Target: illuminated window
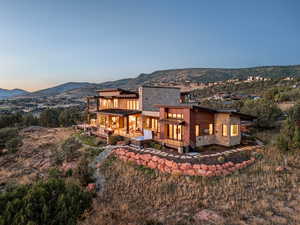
(132, 104)
(115, 103)
(197, 130)
(175, 132)
(175, 115)
(224, 130)
(148, 122)
(234, 130)
(104, 103)
(211, 129)
(170, 131)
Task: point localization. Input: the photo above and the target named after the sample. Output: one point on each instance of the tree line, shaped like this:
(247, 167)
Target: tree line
(57, 117)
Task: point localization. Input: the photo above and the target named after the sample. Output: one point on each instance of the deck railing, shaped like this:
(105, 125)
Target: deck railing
(172, 142)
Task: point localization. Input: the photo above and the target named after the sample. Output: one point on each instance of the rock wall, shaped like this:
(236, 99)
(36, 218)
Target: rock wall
(169, 166)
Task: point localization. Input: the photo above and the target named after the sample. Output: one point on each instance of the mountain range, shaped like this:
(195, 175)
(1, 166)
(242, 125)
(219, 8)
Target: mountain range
(4, 93)
(82, 89)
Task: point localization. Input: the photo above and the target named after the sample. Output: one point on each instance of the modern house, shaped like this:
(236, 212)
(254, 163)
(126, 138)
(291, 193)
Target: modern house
(156, 113)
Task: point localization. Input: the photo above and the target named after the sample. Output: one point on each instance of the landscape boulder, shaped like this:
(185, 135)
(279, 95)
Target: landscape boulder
(209, 216)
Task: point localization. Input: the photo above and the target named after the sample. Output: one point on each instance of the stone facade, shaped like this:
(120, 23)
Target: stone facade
(151, 96)
(205, 140)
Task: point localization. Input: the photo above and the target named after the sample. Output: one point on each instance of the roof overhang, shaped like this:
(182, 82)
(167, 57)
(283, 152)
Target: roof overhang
(119, 112)
(172, 121)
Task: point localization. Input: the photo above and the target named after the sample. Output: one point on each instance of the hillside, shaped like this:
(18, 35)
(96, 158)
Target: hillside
(178, 76)
(4, 93)
(210, 75)
(196, 75)
(60, 89)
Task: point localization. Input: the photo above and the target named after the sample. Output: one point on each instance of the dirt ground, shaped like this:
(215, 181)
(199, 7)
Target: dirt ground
(34, 157)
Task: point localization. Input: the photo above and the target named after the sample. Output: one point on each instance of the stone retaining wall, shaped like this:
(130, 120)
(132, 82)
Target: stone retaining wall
(169, 166)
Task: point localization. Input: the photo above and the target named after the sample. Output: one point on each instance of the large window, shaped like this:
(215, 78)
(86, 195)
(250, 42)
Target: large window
(174, 132)
(175, 115)
(234, 130)
(116, 103)
(224, 130)
(133, 104)
(152, 123)
(107, 103)
(102, 120)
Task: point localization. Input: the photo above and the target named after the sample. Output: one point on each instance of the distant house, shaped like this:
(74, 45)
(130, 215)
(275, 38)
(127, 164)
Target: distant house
(156, 113)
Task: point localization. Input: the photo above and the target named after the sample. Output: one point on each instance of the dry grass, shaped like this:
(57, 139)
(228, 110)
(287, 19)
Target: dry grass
(34, 157)
(285, 106)
(257, 195)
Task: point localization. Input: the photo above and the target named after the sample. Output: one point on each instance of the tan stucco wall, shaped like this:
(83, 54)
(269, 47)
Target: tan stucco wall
(225, 118)
(236, 139)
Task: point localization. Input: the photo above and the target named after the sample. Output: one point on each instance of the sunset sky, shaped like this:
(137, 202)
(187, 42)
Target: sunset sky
(48, 42)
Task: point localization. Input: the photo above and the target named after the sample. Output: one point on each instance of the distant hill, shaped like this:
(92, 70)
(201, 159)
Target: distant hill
(204, 75)
(4, 93)
(59, 89)
(82, 89)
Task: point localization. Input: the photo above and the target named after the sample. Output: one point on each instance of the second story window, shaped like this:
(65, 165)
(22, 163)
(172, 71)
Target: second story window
(133, 104)
(175, 115)
(116, 105)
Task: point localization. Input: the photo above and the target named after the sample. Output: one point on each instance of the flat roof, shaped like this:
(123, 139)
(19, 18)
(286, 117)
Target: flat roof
(149, 86)
(116, 89)
(233, 112)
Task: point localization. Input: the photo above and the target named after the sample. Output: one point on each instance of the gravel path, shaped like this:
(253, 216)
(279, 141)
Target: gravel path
(99, 178)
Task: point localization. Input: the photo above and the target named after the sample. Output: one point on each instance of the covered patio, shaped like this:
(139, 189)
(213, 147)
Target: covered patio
(120, 122)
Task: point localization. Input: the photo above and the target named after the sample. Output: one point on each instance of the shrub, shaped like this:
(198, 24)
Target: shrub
(257, 155)
(154, 144)
(221, 159)
(55, 173)
(69, 173)
(92, 152)
(7, 134)
(70, 147)
(282, 143)
(13, 144)
(266, 111)
(51, 202)
(114, 139)
(296, 138)
(145, 170)
(83, 172)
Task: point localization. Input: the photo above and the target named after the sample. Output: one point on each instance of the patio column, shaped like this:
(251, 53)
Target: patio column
(127, 124)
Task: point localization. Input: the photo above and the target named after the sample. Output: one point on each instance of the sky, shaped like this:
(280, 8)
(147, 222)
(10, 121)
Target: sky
(49, 42)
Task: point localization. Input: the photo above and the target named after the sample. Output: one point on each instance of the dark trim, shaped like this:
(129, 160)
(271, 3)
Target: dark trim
(118, 112)
(172, 121)
(148, 86)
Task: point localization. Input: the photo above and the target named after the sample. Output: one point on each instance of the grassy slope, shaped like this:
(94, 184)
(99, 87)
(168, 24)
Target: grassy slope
(258, 194)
